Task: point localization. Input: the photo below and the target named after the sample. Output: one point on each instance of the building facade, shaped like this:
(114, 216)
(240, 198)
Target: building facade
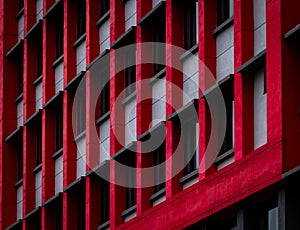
(63, 143)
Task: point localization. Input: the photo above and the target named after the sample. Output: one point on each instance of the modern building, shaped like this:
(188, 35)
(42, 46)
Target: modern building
(57, 149)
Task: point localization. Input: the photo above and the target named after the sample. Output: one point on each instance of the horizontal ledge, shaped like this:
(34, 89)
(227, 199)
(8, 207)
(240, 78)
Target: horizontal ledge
(53, 10)
(158, 76)
(38, 80)
(158, 194)
(75, 81)
(11, 137)
(16, 225)
(128, 211)
(19, 99)
(58, 61)
(34, 30)
(184, 109)
(293, 34)
(131, 147)
(189, 177)
(129, 98)
(32, 213)
(52, 103)
(53, 200)
(101, 168)
(79, 40)
(34, 118)
(15, 49)
(80, 136)
(291, 172)
(157, 128)
(57, 154)
(20, 13)
(19, 183)
(97, 59)
(223, 26)
(37, 169)
(155, 13)
(126, 38)
(103, 19)
(103, 118)
(219, 84)
(224, 156)
(75, 184)
(189, 53)
(104, 225)
(253, 64)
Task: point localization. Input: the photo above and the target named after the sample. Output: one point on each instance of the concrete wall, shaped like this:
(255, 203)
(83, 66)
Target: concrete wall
(225, 53)
(59, 174)
(104, 36)
(190, 78)
(21, 28)
(20, 113)
(81, 156)
(38, 96)
(159, 101)
(260, 110)
(104, 140)
(19, 202)
(38, 188)
(130, 121)
(259, 7)
(81, 57)
(59, 77)
(39, 9)
(130, 14)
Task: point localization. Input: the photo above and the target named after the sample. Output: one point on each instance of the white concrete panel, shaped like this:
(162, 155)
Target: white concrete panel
(129, 217)
(273, 219)
(259, 13)
(81, 146)
(155, 2)
(59, 77)
(231, 8)
(81, 57)
(38, 179)
(38, 197)
(130, 14)
(59, 183)
(158, 89)
(224, 40)
(59, 165)
(20, 194)
(189, 183)
(20, 113)
(39, 9)
(38, 96)
(260, 39)
(159, 200)
(104, 130)
(81, 167)
(159, 111)
(105, 150)
(130, 132)
(260, 110)
(190, 89)
(19, 210)
(225, 64)
(105, 45)
(225, 163)
(130, 110)
(197, 23)
(104, 36)
(21, 28)
(190, 66)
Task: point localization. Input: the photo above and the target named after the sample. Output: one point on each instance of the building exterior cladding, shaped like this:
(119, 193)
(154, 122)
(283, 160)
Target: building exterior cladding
(49, 174)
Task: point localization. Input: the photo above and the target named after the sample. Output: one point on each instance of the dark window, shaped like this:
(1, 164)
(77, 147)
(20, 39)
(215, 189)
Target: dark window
(130, 77)
(81, 210)
(224, 10)
(265, 82)
(21, 4)
(104, 201)
(59, 129)
(159, 54)
(190, 147)
(59, 217)
(80, 112)
(227, 90)
(104, 7)
(130, 182)
(38, 145)
(39, 59)
(80, 18)
(20, 158)
(59, 37)
(190, 24)
(20, 74)
(159, 173)
(105, 99)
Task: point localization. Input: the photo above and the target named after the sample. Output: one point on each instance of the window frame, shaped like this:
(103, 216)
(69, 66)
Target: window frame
(190, 24)
(59, 37)
(158, 36)
(81, 18)
(190, 140)
(59, 128)
(39, 56)
(105, 99)
(130, 73)
(20, 159)
(223, 11)
(105, 201)
(104, 7)
(38, 145)
(158, 159)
